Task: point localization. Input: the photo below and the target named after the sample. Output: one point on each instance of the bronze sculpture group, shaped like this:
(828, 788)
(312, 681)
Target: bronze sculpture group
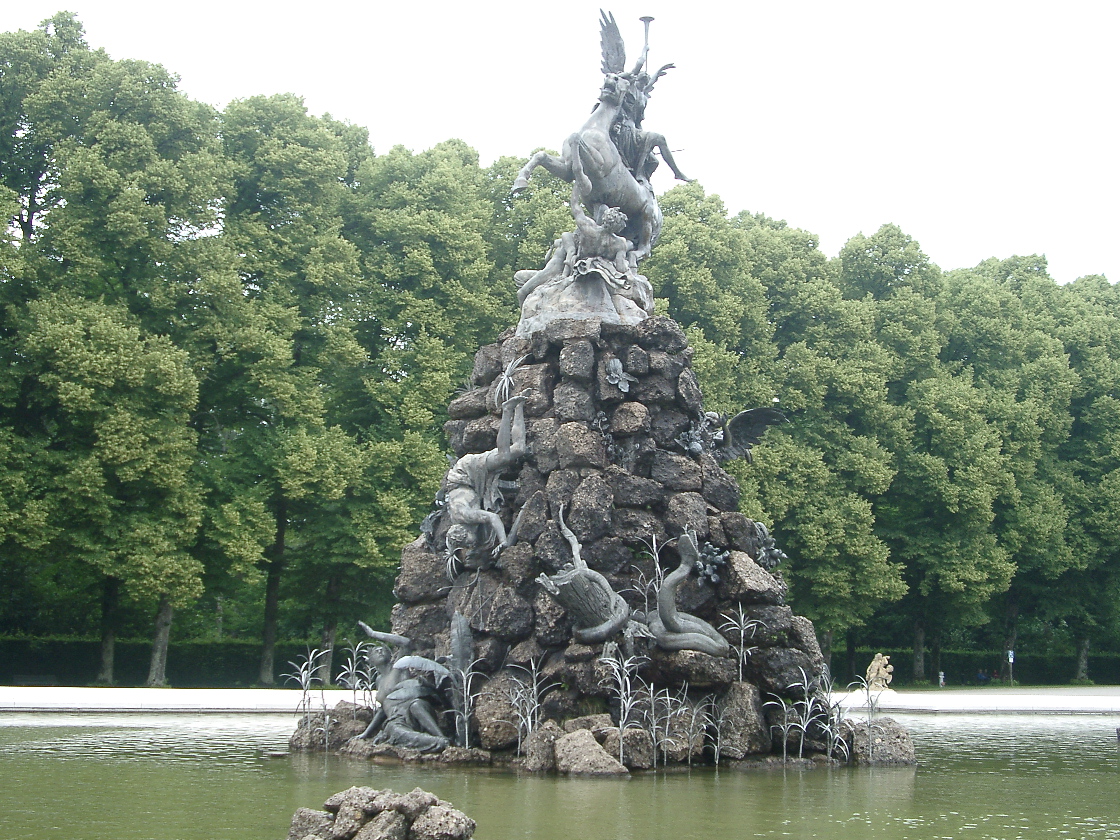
(593, 271)
(590, 278)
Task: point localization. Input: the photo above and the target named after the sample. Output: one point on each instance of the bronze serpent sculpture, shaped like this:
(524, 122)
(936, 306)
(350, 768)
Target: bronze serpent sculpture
(676, 630)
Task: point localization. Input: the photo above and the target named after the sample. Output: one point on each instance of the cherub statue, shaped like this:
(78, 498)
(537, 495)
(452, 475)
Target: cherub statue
(596, 248)
(879, 673)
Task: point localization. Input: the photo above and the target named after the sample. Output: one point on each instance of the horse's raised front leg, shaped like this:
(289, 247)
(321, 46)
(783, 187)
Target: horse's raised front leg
(557, 166)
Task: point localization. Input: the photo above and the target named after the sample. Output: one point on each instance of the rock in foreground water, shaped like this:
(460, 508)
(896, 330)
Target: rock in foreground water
(365, 813)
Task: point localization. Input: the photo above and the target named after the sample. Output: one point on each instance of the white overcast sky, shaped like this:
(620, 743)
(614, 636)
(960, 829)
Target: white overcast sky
(982, 128)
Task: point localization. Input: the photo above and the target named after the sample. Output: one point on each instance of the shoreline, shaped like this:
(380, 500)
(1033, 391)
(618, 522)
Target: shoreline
(168, 700)
(1074, 700)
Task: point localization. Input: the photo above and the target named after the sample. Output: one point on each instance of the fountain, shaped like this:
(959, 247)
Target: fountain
(586, 593)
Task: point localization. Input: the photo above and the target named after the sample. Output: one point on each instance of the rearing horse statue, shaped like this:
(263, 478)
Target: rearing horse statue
(591, 160)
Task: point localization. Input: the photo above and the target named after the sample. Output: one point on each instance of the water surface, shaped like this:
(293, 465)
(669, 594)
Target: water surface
(208, 777)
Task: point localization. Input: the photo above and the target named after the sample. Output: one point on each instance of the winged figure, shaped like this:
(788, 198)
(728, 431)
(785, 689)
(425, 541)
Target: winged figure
(743, 431)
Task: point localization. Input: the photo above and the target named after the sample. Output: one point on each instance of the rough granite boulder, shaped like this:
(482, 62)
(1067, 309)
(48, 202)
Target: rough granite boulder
(442, 822)
(388, 825)
(540, 747)
(365, 813)
(306, 822)
(748, 583)
(889, 743)
(495, 713)
(579, 754)
(637, 747)
(743, 727)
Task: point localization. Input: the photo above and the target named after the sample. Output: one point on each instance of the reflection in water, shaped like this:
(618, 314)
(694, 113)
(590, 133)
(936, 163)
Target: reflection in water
(182, 777)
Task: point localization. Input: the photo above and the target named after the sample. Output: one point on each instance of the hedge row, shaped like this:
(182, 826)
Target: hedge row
(231, 663)
(962, 667)
(235, 663)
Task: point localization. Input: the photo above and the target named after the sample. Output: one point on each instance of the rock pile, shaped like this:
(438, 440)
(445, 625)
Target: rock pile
(623, 460)
(363, 813)
(612, 423)
(330, 731)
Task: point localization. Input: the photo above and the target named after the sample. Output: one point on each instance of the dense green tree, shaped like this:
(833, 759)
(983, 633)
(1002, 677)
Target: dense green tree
(1085, 599)
(228, 341)
(103, 410)
(832, 377)
(275, 459)
(1000, 323)
(767, 321)
(114, 175)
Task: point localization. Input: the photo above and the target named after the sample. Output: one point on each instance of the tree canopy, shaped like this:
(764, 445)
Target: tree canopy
(229, 339)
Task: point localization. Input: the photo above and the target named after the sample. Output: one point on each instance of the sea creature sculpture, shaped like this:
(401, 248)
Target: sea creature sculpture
(597, 611)
(674, 629)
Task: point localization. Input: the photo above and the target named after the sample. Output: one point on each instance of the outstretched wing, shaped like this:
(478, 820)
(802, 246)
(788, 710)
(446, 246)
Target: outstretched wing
(421, 663)
(746, 429)
(614, 51)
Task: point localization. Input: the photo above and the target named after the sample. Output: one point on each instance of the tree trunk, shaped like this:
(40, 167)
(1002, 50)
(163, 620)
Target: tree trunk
(326, 659)
(850, 640)
(157, 667)
(1009, 640)
(935, 658)
(219, 616)
(330, 628)
(272, 598)
(1082, 674)
(110, 599)
(826, 649)
(919, 651)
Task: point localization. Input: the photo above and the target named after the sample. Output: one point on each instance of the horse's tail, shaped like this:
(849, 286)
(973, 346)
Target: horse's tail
(579, 177)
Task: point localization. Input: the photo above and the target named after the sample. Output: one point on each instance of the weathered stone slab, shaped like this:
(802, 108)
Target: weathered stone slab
(675, 472)
(578, 753)
(630, 418)
(662, 333)
(748, 583)
(579, 446)
(687, 510)
(889, 743)
(590, 515)
(469, 405)
(421, 577)
(487, 364)
(743, 727)
(577, 360)
(540, 747)
(637, 747)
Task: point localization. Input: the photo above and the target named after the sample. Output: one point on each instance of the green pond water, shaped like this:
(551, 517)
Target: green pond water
(206, 777)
